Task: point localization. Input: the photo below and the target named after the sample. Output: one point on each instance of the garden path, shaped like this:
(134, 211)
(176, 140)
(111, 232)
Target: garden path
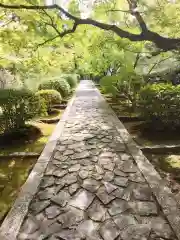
(97, 184)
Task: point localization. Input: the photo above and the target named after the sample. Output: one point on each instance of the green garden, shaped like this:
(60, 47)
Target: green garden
(129, 48)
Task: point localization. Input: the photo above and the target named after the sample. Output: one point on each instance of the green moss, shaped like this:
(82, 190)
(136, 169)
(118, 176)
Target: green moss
(173, 161)
(13, 173)
(36, 145)
(54, 114)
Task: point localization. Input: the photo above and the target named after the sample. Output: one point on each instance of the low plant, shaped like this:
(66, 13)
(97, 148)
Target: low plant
(60, 85)
(159, 104)
(108, 85)
(19, 106)
(125, 85)
(72, 79)
(50, 96)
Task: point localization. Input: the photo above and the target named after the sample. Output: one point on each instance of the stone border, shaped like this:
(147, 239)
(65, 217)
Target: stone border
(21, 154)
(130, 119)
(12, 223)
(160, 149)
(161, 191)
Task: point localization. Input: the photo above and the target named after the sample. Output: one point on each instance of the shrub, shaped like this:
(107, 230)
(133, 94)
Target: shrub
(50, 96)
(19, 106)
(72, 80)
(108, 84)
(127, 84)
(60, 85)
(159, 104)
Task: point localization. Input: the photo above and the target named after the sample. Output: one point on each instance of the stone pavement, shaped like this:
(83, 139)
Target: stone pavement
(93, 188)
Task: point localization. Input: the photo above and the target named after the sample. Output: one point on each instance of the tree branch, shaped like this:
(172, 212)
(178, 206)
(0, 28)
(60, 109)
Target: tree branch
(46, 41)
(133, 10)
(138, 56)
(51, 24)
(6, 23)
(157, 63)
(118, 10)
(161, 42)
(121, 10)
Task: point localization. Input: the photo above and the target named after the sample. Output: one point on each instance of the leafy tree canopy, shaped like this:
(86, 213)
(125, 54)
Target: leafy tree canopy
(38, 39)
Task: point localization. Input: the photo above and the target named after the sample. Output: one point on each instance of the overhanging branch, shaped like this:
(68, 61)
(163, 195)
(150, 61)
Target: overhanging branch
(133, 8)
(161, 42)
(51, 24)
(46, 41)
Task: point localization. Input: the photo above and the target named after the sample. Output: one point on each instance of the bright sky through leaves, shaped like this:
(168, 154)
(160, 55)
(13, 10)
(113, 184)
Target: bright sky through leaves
(85, 6)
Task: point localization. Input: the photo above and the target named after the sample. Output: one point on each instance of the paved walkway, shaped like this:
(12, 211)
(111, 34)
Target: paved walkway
(93, 189)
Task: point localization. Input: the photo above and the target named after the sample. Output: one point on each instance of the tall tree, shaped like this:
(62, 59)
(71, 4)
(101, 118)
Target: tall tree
(143, 12)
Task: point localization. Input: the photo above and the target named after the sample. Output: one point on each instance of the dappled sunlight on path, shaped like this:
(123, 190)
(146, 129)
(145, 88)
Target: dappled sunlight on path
(94, 187)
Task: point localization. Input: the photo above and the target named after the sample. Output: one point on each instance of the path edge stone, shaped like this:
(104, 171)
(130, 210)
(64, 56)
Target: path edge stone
(14, 219)
(165, 198)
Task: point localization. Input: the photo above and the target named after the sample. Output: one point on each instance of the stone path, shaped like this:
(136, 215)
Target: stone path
(92, 188)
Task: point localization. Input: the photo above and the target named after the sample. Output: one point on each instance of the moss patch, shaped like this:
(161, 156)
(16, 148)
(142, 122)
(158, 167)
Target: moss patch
(36, 145)
(145, 136)
(55, 113)
(168, 167)
(13, 173)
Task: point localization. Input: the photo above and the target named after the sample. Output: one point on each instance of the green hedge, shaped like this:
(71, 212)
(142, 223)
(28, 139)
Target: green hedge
(72, 80)
(60, 85)
(50, 96)
(159, 104)
(17, 107)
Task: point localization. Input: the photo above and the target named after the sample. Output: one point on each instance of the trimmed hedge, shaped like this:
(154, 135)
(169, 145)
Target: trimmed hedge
(60, 85)
(50, 96)
(19, 106)
(72, 80)
(159, 104)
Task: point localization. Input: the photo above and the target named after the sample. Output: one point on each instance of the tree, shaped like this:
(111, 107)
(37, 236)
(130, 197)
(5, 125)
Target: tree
(21, 52)
(146, 34)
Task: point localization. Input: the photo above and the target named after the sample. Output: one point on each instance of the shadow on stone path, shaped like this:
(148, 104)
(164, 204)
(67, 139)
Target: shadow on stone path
(92, 188)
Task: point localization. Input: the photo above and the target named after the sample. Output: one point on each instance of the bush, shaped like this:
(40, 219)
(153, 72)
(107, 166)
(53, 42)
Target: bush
(72, 80)
(108, 85)
(50, 96)
(19, 106)
(127, 85)
(159, 104)
(60, 85)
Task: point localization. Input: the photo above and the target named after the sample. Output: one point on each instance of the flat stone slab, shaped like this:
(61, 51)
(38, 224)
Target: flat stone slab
(103, 196)
(82, 200)
(61, 198)
(144, 208)
(91, 185)
(123, 221)
(83, 174)
(109, 230)
(118, 206)
(110, 187)
(52, 212)
(71, 217)
(92, 182)
(121, 181)
(97, 211)
(136, 232)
